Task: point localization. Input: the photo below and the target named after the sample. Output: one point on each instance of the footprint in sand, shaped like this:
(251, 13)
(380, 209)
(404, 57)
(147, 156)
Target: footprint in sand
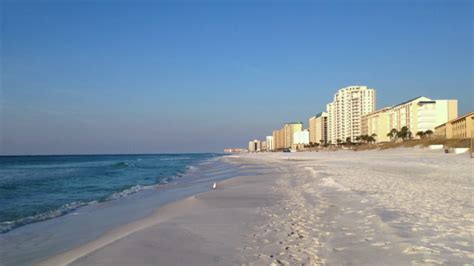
(419, 250)
(427, 262)
(463, 243)
(379, 244)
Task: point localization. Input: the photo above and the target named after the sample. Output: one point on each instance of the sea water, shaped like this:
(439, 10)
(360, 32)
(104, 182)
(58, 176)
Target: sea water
(37, 188)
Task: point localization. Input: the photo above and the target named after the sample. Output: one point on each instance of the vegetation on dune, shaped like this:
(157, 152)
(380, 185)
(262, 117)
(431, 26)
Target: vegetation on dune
(402, 138)
(424, 142)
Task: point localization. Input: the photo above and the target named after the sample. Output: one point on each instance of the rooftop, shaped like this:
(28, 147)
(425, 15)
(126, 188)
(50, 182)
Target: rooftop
(411, 100)
(457, 119)
(385, 109)
(461, 117)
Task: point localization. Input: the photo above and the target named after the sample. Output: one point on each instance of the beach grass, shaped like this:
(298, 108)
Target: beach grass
(448, 143)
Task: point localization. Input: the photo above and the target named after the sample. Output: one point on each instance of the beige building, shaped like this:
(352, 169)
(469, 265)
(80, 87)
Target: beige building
(346, 111)
(269, 141)
(254, 145)
(283, 138)
(279, 139)
(459, 128)
(422, 113)
(263, 146)
(318, 128)
(275, 140)
(289, 130)
(377, 123)
(440, 131)
(418, 114)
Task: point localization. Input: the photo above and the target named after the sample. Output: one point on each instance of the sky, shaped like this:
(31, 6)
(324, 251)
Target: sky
(85, 77)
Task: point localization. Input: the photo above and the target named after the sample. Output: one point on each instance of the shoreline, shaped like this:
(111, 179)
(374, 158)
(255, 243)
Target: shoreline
(32, 243)
(407, 206)
(160, 215)
(233, 204)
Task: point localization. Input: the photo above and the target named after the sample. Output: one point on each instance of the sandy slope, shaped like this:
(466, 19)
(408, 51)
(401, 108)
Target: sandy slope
(397, 207)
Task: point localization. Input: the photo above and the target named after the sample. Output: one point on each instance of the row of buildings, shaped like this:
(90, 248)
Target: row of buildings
(458, 128)
(418, 114)
(353, 113)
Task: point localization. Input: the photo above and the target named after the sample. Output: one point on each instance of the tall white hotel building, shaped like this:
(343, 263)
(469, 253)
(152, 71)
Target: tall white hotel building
(346, 111)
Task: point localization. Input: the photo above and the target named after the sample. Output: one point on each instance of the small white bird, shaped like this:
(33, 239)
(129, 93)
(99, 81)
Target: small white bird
(214, 186)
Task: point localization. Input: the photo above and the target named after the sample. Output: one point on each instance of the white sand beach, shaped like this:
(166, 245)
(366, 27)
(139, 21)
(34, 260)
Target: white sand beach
(392, 207)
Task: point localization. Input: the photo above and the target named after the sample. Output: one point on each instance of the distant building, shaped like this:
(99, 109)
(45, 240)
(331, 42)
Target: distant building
(289, 130)
(275, 139)
(263, 145)
(440, 131)
(279, 139)
(269, 140)
(377, 123)
(346, 111)
(234, 150)
(318, 128)
(418, 114)
(251, 146)
(254, 145)
(283, 138)
(422, 113)
(301, 137)
(459, 128)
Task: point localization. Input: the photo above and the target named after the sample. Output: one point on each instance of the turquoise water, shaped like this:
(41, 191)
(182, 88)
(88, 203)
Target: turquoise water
(36, 188)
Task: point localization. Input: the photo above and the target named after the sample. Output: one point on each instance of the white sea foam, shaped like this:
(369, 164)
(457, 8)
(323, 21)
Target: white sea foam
(175, 159)
(192, 168)
(126, 192)
(9, 225)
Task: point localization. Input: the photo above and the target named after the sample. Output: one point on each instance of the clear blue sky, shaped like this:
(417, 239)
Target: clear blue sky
(191, 76)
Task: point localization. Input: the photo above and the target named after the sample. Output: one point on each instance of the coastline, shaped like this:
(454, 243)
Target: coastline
(162, 214)
(203, 229)
(402, 206)
(35, 242)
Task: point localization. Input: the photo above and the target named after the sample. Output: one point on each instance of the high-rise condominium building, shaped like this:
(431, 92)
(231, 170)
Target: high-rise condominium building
(318, 128)
(263, 145)
(377, 123)
(279, 139)
(290, 129)
(254, 145)
(251, 146)
(346, 111)
(301, 137)
(269, 140)
(283, 138)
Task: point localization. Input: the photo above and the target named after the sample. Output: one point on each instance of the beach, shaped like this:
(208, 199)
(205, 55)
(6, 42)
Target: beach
(392, 207)
(170, 178)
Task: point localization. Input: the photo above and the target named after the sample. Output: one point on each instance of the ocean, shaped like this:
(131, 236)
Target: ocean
(37, 188)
